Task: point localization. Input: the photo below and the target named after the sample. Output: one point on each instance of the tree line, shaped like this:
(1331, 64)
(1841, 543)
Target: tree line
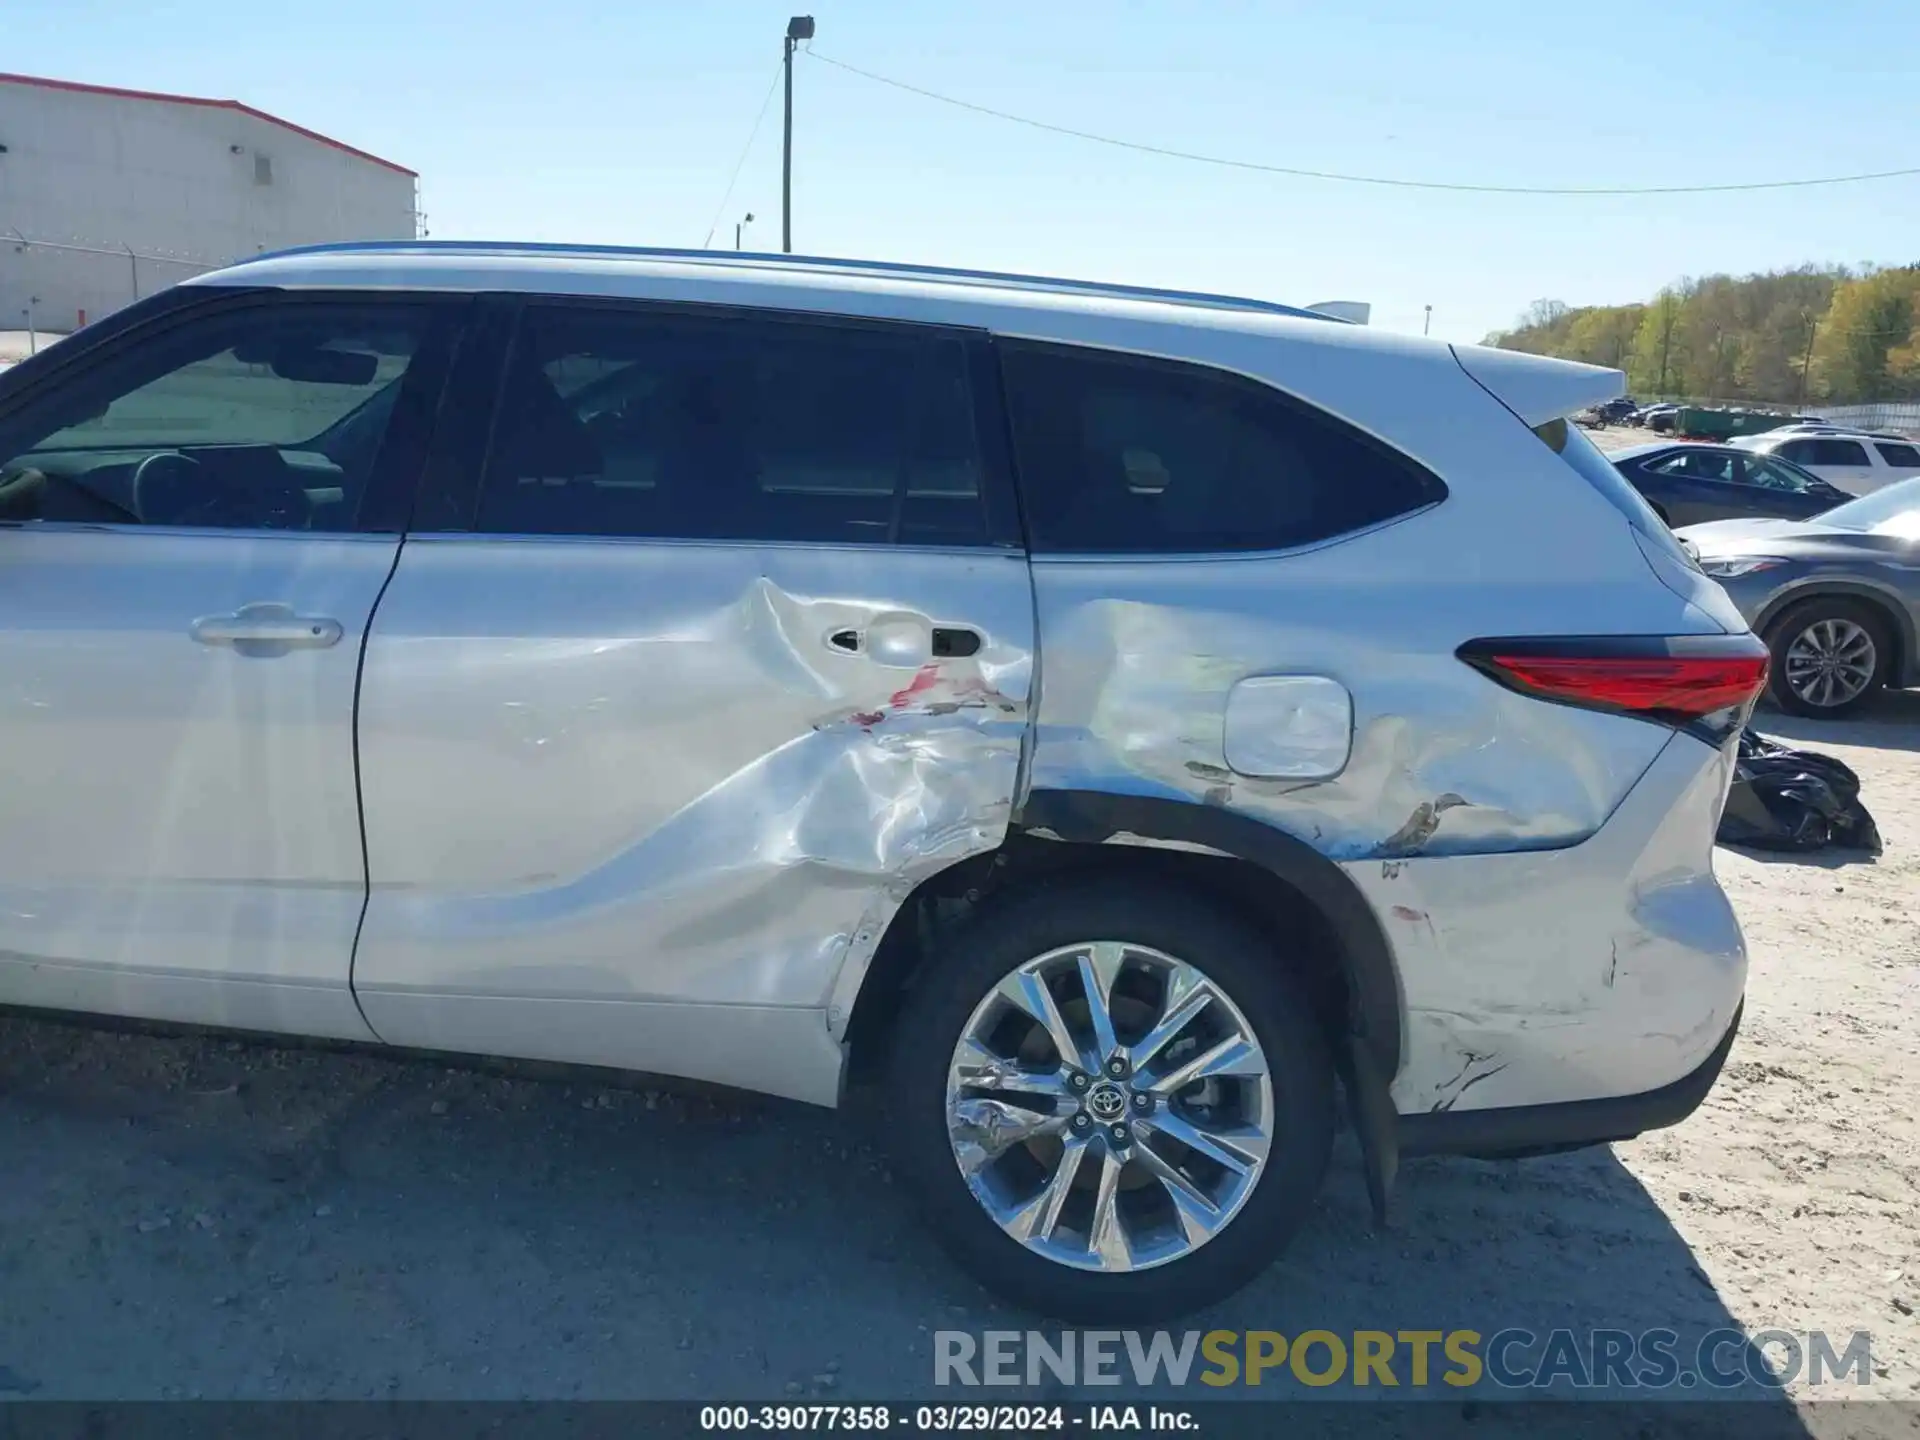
(1813, 335)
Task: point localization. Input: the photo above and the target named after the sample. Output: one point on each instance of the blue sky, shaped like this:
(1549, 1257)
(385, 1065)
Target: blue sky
(569, 120)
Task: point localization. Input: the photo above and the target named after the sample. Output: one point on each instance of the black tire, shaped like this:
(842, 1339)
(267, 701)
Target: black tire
(1794, 621)
(1240, 962)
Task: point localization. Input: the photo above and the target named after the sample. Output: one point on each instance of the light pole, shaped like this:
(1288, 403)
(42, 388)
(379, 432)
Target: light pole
(739, 225)
(799, 28)
(1428, 325)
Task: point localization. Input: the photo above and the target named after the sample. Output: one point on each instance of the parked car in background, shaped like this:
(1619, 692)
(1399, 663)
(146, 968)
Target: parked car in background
(1107, 722)
(1614, 411)
(1687, 483)
(1836, 598)
(1857, 461)
(1657, 417)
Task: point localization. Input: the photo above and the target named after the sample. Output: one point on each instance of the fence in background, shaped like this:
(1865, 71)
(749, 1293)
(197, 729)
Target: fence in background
(1902, 415)
(28, 293)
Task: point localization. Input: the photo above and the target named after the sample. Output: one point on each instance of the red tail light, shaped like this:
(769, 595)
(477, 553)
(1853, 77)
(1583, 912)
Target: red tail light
(1677, 680)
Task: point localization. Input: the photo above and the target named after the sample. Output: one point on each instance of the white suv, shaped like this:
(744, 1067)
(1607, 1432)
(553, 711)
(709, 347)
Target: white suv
(1110, 721)
(1854, 461)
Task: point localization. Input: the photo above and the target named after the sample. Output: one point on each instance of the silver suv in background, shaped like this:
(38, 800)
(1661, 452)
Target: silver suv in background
(1108, 722)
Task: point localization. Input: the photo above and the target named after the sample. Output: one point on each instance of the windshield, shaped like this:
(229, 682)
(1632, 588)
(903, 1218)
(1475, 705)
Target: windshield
(1772, 473)
(1892, 511)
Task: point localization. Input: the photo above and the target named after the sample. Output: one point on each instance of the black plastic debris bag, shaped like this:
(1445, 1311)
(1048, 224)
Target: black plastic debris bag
(1787, 799)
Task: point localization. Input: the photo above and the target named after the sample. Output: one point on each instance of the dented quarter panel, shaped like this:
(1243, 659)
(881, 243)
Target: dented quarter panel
(1509, 1004)
(1140, 654)
(638, 772)
(1140, 659)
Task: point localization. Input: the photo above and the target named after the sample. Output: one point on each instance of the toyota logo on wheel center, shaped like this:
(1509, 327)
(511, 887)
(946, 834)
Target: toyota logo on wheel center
(1107, 1101)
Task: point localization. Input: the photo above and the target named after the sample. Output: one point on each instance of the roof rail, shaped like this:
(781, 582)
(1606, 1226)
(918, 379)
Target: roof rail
(1007, 279)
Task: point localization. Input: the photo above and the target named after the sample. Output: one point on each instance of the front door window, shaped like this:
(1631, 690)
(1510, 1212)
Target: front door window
(262, 417)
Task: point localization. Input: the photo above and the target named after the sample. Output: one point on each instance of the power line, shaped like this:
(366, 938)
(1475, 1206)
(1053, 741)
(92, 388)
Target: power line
(1386, 180)
(745, 150)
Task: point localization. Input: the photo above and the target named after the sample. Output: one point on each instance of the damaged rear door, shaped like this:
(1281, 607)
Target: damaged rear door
(722, 645)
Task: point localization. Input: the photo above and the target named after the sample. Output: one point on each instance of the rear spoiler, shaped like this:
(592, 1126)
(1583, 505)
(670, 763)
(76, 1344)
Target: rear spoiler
(1538, 388)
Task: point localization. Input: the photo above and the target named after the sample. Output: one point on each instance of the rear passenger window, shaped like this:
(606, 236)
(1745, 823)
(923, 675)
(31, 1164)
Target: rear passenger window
(630, 423)
(1119, 455)
(1825, 452)
(1903, 457)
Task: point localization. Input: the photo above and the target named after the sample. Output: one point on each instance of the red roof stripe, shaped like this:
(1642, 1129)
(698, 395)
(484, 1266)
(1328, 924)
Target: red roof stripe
(84, 89)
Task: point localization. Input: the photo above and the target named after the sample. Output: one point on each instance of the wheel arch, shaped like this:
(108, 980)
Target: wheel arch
(1893, 612)
(1232, 857)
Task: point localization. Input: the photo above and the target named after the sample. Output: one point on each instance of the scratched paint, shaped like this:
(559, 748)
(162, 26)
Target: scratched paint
(1507, 1003)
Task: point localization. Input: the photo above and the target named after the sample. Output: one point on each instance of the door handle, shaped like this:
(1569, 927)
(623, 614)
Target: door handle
(267, 630)
(903, 641)
(955, 641)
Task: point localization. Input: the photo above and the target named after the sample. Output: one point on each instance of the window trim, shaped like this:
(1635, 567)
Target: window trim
(396, 471)
(458, 466)
(1434, 488)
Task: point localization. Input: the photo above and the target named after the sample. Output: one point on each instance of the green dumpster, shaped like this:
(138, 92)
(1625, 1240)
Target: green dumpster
(1699, 422)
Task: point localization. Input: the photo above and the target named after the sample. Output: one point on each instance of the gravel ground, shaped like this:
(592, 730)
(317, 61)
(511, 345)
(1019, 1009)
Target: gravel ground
(194, 1216)
(1621, 437)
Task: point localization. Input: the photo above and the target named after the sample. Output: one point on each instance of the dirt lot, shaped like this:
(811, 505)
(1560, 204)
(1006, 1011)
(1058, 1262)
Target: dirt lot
(201, 1217)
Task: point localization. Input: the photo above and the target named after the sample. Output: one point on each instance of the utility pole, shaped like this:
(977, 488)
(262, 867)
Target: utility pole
(1669, 317)
(1806, 362)
(799, 28)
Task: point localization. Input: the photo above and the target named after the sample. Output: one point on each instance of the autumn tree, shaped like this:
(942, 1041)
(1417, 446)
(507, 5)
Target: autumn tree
(1786, 337)
(1864, 349)
(1653, 366)
(1603, 334)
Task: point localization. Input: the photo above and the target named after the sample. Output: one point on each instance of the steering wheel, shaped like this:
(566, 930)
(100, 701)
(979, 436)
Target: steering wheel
(173, 488)
(166, 484)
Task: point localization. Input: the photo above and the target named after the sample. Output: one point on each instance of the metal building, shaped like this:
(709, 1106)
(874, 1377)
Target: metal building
(107, 195)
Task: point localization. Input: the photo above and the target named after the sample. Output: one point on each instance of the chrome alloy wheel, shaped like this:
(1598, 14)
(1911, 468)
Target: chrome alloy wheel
(1109, 1106)
(1831, 662)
